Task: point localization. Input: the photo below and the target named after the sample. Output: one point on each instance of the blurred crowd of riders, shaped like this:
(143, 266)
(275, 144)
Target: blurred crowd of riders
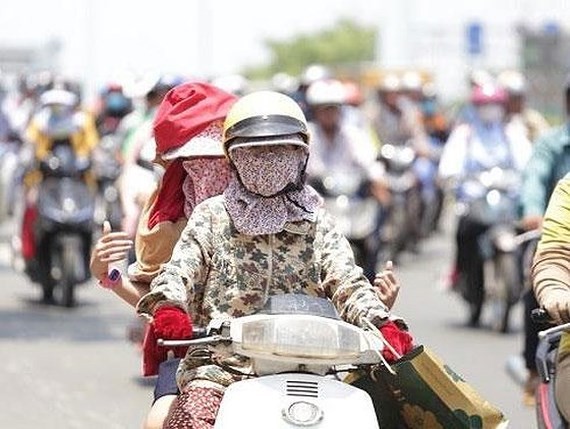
(412, 151)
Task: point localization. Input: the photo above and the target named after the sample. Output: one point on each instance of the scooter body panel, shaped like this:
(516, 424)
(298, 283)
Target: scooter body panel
(270, 401)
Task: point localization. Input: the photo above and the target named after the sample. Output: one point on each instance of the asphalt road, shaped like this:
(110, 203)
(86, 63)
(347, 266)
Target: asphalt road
(74, 368)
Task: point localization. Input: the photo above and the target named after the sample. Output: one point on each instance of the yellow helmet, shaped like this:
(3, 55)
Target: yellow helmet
(265, 118)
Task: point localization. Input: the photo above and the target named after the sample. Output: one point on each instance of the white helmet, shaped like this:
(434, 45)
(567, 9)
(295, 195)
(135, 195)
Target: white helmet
(314, 73)
(512, 81)
(60, 97)
(330, 91)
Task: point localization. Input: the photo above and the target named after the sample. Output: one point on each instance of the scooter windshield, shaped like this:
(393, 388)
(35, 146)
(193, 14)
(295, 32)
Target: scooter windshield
(300, 304)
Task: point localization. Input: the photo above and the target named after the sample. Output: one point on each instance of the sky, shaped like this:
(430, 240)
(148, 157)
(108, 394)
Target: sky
(102, 39)
(199, 36)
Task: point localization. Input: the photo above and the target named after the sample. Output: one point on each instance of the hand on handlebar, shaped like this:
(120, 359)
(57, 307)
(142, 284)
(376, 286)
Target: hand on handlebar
(401, 341)
(169, 323)
(557, 305)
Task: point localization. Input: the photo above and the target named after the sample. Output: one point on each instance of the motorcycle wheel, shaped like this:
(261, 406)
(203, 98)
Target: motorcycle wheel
(64, 261)
(69, 261)
(476, 307)
(508, 287)
(397, 232)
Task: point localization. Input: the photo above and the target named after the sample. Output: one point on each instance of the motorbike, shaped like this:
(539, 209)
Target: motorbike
(547, 414)
(64, 225)
(107, 169)
(295, 345)
(357, 213)
(489, 199)
(432, 192)
(401, 229)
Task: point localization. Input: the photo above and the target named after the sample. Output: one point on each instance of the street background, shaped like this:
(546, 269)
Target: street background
(74, 368)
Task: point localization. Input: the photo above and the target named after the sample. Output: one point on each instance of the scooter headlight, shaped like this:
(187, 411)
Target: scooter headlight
(303, 413)
(301, 336)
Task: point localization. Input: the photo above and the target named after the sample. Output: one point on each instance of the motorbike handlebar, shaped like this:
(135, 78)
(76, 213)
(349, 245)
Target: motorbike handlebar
(540, 315)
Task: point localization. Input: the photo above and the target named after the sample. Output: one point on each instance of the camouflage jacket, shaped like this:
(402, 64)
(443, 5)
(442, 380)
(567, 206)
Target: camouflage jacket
(217, 272)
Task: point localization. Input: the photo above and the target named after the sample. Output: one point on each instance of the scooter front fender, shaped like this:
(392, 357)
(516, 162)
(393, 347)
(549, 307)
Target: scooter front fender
(275, 401)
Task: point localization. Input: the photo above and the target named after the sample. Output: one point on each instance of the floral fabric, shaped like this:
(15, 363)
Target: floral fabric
(195, 408)
(262, 173)
(218, 272)
(206, 177)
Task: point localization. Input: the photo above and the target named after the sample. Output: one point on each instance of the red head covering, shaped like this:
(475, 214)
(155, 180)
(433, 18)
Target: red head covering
(186, 111)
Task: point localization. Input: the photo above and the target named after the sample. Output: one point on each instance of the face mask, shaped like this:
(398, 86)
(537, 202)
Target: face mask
(491, 113)
(207, 177)
(268, 170)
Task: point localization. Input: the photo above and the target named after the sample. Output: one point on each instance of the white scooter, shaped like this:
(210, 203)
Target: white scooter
(295, 345)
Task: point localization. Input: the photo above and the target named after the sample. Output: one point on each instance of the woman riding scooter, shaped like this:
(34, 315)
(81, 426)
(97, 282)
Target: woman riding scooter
(267, 234)
(188, 133)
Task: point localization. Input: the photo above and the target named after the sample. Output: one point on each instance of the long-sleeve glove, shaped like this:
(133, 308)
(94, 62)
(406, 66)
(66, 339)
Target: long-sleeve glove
(169, 323)
(400, 340)
(556, 302)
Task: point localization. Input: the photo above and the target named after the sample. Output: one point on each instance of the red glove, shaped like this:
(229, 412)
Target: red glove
(169, 323)
(401, 341)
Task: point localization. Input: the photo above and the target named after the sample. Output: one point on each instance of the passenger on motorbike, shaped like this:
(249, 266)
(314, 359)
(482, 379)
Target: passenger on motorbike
(518, 113)
(472, 148)
(549, 162)
(138, 177)
(188, 134)
(265, 235)
(551, 282)
(113, 106)
(338, 147)
(58, 121)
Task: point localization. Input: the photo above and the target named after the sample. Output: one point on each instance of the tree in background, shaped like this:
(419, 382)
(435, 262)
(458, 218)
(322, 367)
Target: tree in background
(345, 43)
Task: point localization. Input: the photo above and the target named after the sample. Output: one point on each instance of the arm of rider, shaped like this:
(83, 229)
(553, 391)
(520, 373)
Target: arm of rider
(113, 247)
(354, 297)
(387, 285)
(556, 302)
(551, 267)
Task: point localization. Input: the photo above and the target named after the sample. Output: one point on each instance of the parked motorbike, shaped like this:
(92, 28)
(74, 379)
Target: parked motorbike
(490, 200)
(402, 227)
(547, 414)
(107, 169)
(293, 344)
(357, 213)
(64, 225)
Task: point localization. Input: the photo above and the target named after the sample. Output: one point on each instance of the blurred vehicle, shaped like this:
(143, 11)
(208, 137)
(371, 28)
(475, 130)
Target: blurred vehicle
(357, 213)
(107, 170)
(64, 225)
(492, 204)
(400, 229)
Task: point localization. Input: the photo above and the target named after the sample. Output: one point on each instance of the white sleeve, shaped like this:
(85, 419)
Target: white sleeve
(454, 153)
(520, 145)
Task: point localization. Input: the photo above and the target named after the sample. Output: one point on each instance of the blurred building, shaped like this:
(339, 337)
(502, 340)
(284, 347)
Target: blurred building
(449, 39)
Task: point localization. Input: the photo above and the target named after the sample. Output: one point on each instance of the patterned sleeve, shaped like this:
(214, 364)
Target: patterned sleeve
(344, 282)
(187, 266)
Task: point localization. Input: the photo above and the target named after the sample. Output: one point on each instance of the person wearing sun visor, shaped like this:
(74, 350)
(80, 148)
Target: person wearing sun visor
(267, 234)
